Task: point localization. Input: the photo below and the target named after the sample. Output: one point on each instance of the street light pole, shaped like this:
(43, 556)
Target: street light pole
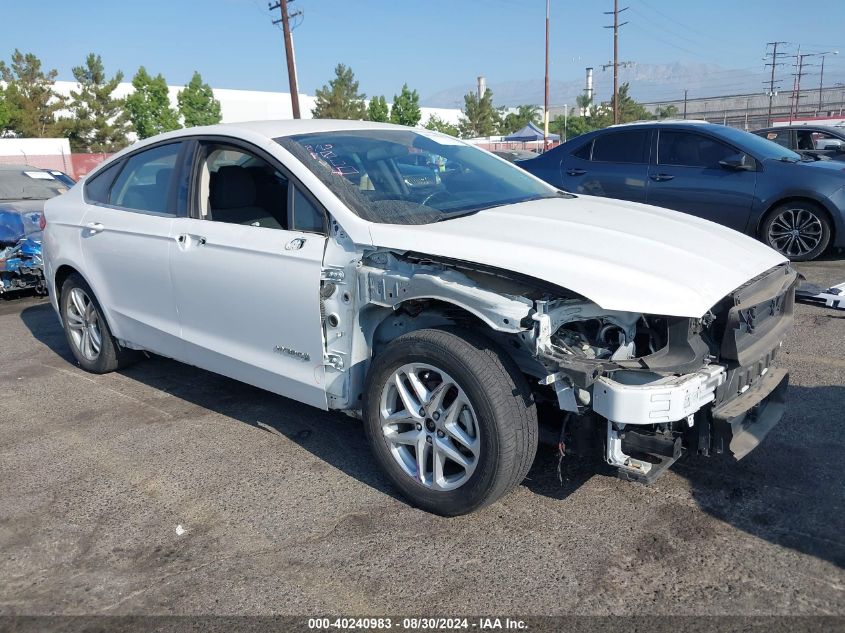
(565, 115)
(546, 105)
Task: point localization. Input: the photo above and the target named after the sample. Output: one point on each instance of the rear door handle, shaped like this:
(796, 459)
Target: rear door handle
(95, 227)
(576, 172)
(661, 177)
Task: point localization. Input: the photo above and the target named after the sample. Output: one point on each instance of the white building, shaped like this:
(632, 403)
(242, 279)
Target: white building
(256, 105)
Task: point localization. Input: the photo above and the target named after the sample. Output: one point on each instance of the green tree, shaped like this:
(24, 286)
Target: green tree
(666, 112)
(439, 125)
(29, 95)
(340, 99)
(378, 111)
(629, 110)
(594, 117)
(406, 107)
(197, 104)
(525, 114)
(149, 106)
(480, 117)
(99, 122)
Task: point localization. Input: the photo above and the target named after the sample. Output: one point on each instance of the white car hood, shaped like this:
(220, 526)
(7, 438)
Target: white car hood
(621, 255)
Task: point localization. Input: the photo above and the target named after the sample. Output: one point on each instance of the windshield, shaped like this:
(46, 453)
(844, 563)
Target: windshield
(411, 176)
(757, 145)
(29, 184)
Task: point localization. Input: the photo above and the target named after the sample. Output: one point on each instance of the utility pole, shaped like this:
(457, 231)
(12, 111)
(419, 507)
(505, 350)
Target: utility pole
(821, 77)
(796, 92)
(799, 63)
(282, 5)
(616, 11)
(774, 64)
(546, 104)
(685, 102)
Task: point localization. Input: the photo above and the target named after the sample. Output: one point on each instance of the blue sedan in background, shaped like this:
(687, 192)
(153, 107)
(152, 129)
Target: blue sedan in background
(722, 174)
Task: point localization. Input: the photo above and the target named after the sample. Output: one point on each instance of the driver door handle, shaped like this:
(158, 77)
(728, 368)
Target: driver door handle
(295, 244)
(95, 227)
(661, 177)
(576, 172)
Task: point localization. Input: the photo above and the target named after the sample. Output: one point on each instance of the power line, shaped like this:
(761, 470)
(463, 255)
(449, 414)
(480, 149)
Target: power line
(285, 19)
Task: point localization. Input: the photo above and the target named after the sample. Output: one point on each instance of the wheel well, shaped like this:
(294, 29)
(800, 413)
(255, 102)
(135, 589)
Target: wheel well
(803, 199)
(62, 274)
(419, 314)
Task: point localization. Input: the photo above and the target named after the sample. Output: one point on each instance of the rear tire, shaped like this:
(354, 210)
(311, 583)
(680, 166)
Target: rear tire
(473, 435)
(86, 330)
(798, 230)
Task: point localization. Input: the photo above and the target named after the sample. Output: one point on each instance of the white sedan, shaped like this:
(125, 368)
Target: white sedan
(430, 288)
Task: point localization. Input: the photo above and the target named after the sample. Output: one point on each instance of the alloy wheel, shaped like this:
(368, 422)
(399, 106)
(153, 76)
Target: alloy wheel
(83, 324)
(430, 426)
(795, 232)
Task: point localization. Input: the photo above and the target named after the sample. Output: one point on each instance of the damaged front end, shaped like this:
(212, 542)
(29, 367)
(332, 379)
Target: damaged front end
(665, 384)
(645, 387)
(21, 264)
(21, 267)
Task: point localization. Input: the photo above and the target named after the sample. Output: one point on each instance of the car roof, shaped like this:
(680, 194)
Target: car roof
(803, 126)
(289, 127)
(672, 122)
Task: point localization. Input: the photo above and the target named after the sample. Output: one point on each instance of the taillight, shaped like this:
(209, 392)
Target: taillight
(42, 221)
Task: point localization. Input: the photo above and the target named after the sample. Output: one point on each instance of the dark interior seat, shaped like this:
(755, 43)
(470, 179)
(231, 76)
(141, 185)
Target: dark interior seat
(233, 199)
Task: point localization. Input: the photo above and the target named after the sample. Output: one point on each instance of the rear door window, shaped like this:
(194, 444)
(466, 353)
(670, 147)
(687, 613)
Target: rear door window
(145, 182)
(628, 146)
(781, 137)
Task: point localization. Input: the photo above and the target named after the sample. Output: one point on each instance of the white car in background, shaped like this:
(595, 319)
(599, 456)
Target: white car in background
(431, 288)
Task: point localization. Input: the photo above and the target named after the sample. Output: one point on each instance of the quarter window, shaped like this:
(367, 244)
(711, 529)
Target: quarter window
(145, 182)
(304, 215)
(98, 187)
(684, 149)
(629, 146)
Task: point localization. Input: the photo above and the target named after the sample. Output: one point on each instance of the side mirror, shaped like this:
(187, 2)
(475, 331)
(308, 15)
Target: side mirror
(738, 162)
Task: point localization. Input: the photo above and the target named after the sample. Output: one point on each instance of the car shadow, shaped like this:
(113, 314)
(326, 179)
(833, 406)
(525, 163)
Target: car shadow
(790, 491)
(332, 437)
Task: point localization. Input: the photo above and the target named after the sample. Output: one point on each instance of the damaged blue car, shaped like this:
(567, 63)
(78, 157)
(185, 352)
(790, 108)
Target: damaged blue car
(23, 190)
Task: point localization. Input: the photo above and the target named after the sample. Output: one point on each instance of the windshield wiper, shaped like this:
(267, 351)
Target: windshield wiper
(788, 159)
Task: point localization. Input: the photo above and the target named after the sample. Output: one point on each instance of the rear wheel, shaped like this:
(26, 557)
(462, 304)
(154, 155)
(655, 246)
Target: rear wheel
(86, 329)
(450, 419)
(798, 230)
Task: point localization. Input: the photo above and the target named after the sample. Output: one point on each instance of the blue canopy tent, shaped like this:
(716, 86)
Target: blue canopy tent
(529, 133)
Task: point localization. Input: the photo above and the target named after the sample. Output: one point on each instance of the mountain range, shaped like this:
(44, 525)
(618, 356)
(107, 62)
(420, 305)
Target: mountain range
(649, 83)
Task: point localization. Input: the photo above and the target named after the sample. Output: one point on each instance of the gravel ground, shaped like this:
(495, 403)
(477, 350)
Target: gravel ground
(285, 512)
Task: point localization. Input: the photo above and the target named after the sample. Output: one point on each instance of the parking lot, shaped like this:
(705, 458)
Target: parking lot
(281, 510)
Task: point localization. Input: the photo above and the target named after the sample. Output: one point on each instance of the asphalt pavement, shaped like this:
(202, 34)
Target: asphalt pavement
(163, 489)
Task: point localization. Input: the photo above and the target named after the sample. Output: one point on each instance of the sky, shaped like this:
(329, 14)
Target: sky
(432, 45)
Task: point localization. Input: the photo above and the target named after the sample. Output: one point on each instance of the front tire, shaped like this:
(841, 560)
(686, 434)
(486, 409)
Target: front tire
(797, 230)
(450, 419)
(86, 330)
